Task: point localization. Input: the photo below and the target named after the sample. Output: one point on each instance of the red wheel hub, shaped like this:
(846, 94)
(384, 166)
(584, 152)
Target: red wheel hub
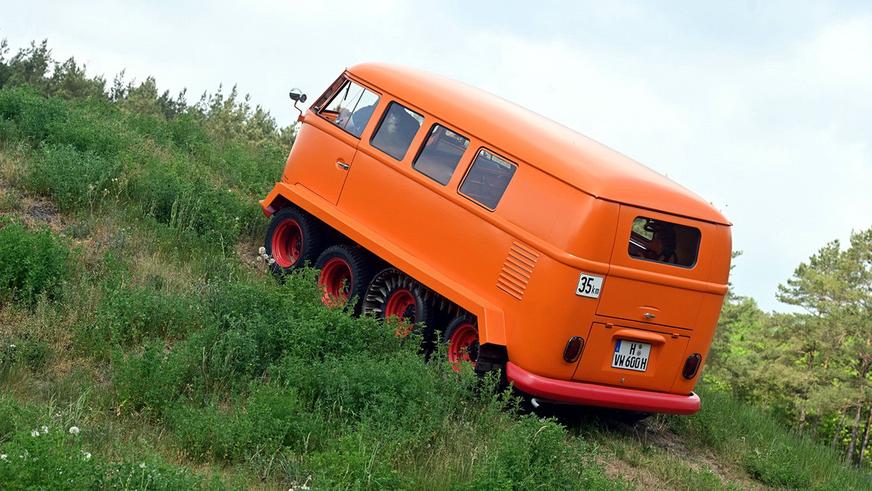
(287, 243)
(401, 304)
(335, 281)
(463, 345)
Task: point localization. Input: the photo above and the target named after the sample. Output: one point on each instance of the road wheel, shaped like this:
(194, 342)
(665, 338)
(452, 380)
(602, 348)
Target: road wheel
(461, 335)
(292, 239)
(394, 294)
(345, 273)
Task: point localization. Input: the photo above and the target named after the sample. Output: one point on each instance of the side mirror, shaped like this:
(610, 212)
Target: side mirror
(297, 95)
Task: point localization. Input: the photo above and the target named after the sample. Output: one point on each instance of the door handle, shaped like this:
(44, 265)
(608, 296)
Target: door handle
(342, 165)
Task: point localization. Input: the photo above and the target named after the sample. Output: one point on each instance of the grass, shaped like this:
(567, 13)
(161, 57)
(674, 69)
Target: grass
(185, 365)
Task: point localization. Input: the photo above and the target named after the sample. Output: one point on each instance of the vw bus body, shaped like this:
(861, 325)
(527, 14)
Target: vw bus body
(585, 276)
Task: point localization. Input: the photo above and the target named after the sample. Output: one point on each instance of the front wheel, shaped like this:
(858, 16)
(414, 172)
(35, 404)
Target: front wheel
(292, 239)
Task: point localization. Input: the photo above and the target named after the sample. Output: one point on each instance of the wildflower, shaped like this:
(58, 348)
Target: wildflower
(13, 346)
(34, 433)
(86, 455)
(260, 259)
(74, 430)
(4, 457)
(271, 261)
(44, 429)
(142, 465)
(261, 250)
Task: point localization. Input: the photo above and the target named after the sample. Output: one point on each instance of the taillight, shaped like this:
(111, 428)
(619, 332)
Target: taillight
(573, 349)
(691, 366)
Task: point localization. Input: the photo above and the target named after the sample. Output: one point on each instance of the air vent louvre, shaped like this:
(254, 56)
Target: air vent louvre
(517, 270)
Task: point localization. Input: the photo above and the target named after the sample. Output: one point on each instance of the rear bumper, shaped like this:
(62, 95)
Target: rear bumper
(585, 394)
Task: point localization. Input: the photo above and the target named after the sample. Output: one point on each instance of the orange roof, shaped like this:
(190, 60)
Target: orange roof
(538, 141)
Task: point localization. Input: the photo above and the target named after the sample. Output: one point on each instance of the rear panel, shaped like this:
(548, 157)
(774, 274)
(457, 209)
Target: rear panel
(667, 308)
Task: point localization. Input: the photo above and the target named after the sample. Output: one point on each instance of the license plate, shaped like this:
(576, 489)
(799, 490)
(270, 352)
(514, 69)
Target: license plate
(631, 355)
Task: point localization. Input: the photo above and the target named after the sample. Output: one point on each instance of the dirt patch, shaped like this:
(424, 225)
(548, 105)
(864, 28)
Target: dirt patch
(32, 211)
(638, 477)
(655, 433)
(247, 252)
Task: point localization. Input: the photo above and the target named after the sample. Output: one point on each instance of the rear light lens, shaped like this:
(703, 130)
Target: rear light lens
(691, 366)
(573, 349)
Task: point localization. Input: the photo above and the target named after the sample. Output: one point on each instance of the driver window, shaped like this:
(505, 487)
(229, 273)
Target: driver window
(351, 108)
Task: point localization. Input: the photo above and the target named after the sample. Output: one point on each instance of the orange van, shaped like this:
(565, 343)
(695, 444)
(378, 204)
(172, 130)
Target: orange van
(584, 276)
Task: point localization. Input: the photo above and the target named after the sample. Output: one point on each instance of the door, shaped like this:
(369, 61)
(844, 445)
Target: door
(326, 145)
(663, 247)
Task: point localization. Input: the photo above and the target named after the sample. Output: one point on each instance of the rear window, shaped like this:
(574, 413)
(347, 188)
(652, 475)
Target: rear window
(487, 179)
(396, 130)
(664, 242)
(440, 154)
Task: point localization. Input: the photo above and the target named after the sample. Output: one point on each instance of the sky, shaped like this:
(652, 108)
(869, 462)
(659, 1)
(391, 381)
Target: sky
(764, 108)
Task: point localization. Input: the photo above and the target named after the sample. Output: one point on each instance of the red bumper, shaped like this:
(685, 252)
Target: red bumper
(585, 394)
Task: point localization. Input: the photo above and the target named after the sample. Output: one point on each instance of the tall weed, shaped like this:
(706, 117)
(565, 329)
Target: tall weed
(33, 263)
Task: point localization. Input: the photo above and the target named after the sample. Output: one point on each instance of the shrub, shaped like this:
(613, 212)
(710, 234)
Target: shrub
(31, 114)
(72, 178)
(535, 453)
(49, 457)
(32, 353)
(759, 443)
(33, 263)
(130, 314)
(354, 463)
(146, 382)
(270, 419)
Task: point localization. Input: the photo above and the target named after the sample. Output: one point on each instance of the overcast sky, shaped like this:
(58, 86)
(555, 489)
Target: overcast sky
(763, 108)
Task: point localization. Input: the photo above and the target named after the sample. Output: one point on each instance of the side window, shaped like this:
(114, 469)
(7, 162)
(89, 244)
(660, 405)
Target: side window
(440, 154)
(396, 130)
(350, 108)
(487, 179)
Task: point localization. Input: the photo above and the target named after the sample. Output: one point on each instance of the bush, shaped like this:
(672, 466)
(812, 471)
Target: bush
(270, 419)
(33, 263)
(32, 353)
(758, 442)
(73, 179)
(353, 462)
(535, 453)
(147, 382)
(48, 457)
(130, 314)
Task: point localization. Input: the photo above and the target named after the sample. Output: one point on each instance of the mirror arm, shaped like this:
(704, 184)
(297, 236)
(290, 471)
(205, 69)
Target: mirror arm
(300, 111)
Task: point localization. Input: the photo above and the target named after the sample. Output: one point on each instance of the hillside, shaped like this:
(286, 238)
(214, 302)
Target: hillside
(144, 346)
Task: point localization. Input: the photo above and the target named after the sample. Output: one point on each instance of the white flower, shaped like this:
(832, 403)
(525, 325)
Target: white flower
(271, 261)
(13, 346)
(44, 429)
(74, 430)
(260, 259)
(261, 250)
(4, 457)
(142, 465)
(86, 455)
(34, 433)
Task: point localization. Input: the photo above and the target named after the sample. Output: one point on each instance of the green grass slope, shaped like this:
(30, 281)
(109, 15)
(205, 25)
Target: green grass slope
(143, 346)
